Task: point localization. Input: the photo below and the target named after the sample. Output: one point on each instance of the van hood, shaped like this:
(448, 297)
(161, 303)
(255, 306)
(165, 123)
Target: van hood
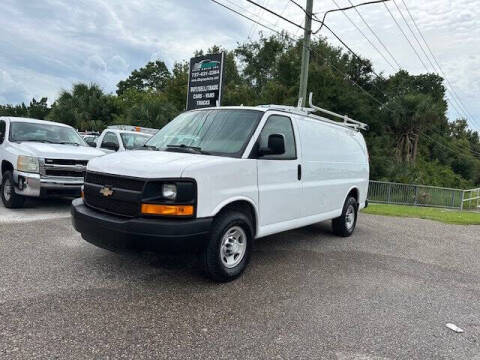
(56, 151)
(147, 164)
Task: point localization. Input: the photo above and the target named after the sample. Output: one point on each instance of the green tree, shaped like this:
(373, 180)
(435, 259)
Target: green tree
(86, 107)
(153, 76)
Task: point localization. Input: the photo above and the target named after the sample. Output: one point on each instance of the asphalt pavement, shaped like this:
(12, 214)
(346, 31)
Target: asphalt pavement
(384, 293)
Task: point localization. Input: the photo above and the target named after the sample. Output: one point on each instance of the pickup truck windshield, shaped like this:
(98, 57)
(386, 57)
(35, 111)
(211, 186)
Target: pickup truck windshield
(223, 132)
(37, 132)
(134, 141)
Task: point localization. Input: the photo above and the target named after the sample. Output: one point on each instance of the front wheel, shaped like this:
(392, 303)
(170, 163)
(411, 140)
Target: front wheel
(10, 198)
(227, 253)
(345, 224)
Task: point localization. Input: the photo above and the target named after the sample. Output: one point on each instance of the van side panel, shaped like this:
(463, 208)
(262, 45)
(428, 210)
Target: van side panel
(335, 160)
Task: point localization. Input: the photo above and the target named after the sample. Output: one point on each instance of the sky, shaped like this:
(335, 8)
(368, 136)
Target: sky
(48, 45)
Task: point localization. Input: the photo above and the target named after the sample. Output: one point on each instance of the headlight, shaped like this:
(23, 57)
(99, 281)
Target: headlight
(169, 191)
(27, 164)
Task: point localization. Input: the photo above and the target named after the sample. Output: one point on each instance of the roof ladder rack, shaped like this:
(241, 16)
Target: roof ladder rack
(346, 120)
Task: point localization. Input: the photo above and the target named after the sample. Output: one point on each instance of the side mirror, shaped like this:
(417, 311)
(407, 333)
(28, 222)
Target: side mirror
(276, 145)
(110, 146)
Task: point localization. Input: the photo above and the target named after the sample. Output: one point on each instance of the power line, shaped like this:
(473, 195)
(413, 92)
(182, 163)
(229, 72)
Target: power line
(276, 14)
(415, 50)
(455, 102)
(246, 17)
(250, 12)
(406, 37)
(375, 34)
(365, 36)
(424, 53)
(322, 22)
(452, 89)
(346, 76)
(298, 5)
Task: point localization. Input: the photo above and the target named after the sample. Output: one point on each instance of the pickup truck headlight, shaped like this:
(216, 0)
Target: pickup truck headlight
(27, 164)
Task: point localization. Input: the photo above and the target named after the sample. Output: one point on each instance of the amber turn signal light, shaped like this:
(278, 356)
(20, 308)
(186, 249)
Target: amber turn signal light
(167, 210)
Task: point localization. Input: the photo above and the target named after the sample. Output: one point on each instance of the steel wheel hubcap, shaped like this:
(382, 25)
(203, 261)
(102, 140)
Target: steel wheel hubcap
(7, 189)
(350, 217)
(234, 246)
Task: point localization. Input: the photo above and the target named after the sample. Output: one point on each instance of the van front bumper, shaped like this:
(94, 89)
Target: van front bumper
(36, 185)
(118, 233)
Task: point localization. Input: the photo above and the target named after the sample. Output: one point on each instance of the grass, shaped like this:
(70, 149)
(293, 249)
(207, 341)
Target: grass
(443, 215)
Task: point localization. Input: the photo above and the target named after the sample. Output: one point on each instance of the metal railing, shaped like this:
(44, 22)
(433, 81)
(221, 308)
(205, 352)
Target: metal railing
(471, 199)
(422, 195)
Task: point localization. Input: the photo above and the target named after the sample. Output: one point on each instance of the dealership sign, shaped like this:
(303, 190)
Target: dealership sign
(205, 81)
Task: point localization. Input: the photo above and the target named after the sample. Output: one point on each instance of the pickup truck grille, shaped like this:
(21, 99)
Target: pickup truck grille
(124, 200)
(63, 167)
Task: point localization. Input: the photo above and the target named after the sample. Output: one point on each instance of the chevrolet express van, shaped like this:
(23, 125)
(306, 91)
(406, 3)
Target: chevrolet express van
(215, 179)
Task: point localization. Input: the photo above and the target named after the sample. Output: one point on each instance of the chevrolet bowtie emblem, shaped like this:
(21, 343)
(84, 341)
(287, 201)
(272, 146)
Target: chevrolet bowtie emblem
(106, 191)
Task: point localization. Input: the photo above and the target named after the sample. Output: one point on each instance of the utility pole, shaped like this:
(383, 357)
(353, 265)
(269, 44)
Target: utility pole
(302, 93)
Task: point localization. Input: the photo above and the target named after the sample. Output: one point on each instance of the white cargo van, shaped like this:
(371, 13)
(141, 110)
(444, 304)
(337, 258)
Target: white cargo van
(218, 178)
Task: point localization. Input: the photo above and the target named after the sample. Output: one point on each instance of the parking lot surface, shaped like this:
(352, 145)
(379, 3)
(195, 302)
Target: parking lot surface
(384, 293)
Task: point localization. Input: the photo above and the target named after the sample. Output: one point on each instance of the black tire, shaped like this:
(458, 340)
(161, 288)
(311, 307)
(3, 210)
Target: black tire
(343, 225)
(214, 264)
(11, 200)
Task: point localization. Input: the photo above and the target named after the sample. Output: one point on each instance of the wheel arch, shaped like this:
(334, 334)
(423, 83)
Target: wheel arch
(355, 192)
(6, 166)
(242, 204)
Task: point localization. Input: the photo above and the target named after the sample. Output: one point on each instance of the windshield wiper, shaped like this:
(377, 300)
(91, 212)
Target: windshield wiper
(150, 147)
(68, 143)
(188, 148)
(36, 140)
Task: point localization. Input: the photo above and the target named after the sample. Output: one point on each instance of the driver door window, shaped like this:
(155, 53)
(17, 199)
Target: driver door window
(3, 127)
(110, 139)
(277, 124)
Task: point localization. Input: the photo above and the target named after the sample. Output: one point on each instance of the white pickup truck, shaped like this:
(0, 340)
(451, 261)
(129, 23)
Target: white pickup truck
(113, 140)
(39, 159)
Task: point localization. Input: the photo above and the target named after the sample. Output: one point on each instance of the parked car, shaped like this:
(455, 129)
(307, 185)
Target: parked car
(90, 138)
(40, 158)
(222, 177)
(112, 140)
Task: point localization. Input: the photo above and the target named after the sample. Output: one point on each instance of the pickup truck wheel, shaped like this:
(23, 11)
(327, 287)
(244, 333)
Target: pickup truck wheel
(229, 246)
(345, 224)
(10, 198)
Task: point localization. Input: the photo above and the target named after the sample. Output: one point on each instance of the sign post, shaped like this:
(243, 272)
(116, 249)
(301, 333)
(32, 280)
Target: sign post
(205, 81)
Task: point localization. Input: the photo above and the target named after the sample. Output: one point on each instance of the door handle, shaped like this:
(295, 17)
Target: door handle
(299, 172)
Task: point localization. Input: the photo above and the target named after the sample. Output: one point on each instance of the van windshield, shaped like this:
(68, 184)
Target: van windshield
(223, 132)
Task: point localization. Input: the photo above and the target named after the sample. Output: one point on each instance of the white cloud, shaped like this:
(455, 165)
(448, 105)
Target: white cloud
(10, 90)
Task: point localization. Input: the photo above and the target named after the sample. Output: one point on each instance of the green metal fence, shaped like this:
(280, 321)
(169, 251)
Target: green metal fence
(422, 195)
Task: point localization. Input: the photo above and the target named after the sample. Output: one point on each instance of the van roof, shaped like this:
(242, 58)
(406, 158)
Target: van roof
(120, 131)
(306, 112)
(31, 120)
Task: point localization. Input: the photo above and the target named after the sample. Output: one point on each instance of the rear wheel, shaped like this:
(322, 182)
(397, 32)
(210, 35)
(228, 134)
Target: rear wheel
(227, 253)
(345, 224)
(10, 198)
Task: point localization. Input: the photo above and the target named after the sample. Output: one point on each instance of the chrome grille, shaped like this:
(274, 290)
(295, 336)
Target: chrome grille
(63, 167)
